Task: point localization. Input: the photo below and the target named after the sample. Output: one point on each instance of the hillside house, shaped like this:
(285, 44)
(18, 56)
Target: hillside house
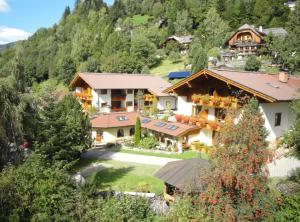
(248, 40)
(183, 41)
(205, 98)
(112, 92)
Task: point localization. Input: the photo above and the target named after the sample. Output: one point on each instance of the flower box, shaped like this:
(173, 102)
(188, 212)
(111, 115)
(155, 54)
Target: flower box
(201, 123)
(215, 101)
(196, 98)
(205, 99)
(212, 125)
(185, 119)
(227, 101)
(178, 118)
(193, 120)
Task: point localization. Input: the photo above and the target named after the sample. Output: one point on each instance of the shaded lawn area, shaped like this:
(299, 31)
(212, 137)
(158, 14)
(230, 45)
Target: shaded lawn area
(124, 176)
(185, 155)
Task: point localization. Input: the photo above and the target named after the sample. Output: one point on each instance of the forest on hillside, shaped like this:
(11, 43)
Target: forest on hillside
(126, 37)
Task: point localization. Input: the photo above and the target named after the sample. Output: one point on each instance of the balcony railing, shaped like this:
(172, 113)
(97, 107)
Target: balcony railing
(215, 101)
(118, 109)
(199, 121)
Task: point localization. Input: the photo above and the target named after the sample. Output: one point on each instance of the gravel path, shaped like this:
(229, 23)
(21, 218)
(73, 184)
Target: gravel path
(283, 167)
(126, 157)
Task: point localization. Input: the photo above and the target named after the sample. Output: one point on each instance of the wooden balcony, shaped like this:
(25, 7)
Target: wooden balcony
(84, 96)
(118, 109)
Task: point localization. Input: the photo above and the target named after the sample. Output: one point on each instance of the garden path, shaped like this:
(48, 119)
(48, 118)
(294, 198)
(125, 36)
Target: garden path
(126, 157)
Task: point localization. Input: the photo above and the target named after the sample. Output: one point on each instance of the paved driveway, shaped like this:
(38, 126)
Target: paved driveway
(126, 157)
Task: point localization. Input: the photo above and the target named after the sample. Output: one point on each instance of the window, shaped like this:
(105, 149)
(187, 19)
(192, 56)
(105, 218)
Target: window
(103, 91)
(103, 104)
(129, 91)
(277, 119)
(129, 103)
(120, 133)
(122, 118)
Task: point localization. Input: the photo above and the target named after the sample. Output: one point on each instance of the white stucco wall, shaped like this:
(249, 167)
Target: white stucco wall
(130, 98)
(110, 134)
(95, 98)
(104, 98)
(184, 107)
(162, 100)
(269, 110)
(193, 137)
(206, 136)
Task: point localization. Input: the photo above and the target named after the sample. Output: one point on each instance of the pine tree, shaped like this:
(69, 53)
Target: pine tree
(64, 131)
(237, 188)
(198, 57)
(137, 131)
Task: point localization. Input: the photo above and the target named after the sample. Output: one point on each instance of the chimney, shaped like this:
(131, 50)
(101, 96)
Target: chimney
(283, 76)
(260, 28)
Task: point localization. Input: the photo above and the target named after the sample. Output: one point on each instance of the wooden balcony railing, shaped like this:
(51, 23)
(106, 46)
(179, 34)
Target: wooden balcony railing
(84, 96)
(118, 109)
(215, 101)
(199, 121)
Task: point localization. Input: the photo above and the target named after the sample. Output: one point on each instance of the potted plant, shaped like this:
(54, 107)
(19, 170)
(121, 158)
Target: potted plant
(193, 120)
(201, 123)
(226, 101)
(195, 98)
(205, 99)
(178, 117)
(216, 101)
(212, 125)
(185, 119)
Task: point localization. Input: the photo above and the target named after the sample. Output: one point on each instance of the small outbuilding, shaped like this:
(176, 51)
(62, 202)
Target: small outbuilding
(184, 176)
(178, 75)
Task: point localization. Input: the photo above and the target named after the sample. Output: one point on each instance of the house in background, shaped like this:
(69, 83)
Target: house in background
(183, 41)
(115, 92)
(178, 75)
(248, 40)
(205, 98)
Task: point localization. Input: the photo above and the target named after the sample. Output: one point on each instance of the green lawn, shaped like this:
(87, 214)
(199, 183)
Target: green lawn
(185, 155)
(124, 176)
(140, 19)
(167, 66)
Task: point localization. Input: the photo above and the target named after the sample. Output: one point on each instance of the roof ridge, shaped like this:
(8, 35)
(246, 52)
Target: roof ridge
(243, 71)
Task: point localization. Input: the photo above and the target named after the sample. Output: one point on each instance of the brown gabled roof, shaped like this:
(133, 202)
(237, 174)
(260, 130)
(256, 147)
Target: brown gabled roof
(112, 120)
(266, 86)
(187, 175)
(154, 84)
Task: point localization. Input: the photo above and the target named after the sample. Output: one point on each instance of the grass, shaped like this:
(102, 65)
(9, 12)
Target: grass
(140, 19)
(124, 176)
(167, 66)
(185, 155)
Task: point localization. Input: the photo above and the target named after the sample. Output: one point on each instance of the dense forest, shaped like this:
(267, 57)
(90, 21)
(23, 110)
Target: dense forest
(126, 37)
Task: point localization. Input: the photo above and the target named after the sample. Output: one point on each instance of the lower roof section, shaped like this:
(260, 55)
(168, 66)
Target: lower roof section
(123, 119)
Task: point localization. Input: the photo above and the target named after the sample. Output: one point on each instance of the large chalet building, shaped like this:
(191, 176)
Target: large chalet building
(207, 96)
(115, 92)
(248, 40)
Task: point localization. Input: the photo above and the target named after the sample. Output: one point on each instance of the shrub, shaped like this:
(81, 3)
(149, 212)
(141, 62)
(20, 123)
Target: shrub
(252, 64)
(148, 143)
(290, 210)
